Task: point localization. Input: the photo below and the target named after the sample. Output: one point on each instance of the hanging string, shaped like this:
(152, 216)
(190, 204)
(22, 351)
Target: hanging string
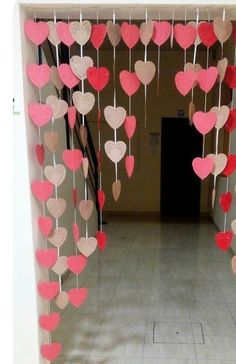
(172, 29)
(145, 86)
(196, 44)
(158, 63)
(114, 87)
(185, 51)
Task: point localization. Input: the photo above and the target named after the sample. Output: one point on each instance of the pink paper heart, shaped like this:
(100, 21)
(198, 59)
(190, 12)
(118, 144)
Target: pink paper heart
(161, 32)
(101, 199)
(67, 75)
(74, 197)
(130, 125)
(71, 116)
(48, 290)
(102, 240)
(204, 121)
(45, 225)
(77, 296)
(50, 351)
(203, 166)
(98, 34)
(129, 82)
(40, 114)
(184, 81)
(76, 263)
(129, 165)
(39, 150)
(37, 32)
(49, 322)
(64, 34)
(130, 34)
(46, 257)
(39, 75)
(76, 232)
(98, 77)
(42, 190)
(185, 35)
(207, 78)
(72, 159)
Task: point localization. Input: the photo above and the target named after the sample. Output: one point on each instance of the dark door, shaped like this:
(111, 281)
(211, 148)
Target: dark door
(180, 187)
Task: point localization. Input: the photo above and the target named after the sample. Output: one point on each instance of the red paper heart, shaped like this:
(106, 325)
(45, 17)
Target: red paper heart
(98, 77)
(42, 190)
(207, 34)
(230, 166)
(50, 351)
(223, 239)
(64, 34)
(230, 76)
(50, 322)
(40, 114)
(130, 34)
(203, 166)
(36, 32)
(130, 125)
(225, 201)
(184, 81)
(129, 165)
(48, 290)
(76, 232)
(71, 116)
(46, 257)
(74, 197)
(230, 124)
(185, 35)
(204, 121)
(161, 32)
(39, 150)
(102, 240)
(72, 159)
(76, 263)
(39, 75)
(129, 82)
(101, 199)
(77, 296)
(207, 78)
(67, 75)
(98, 34)
(45, 225)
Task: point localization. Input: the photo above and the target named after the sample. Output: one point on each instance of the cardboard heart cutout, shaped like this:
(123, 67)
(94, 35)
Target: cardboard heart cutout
(86, 209)
(76, 263)
(129, 165)
(233, 226)
(49, 322)
(184, 81)
(77, 296)
(71, 116)
(40, 154)
(76, 232)
(87, 245)
(102, 240)
(46, 257)
(58, 236)
(223, 240)
(56, 207)
(37, 32)
(56, 78)
(230, 166)
(59, 107)
(115, 150)
(221, 68)
(40, 114)
(83, 135)
(230, 124)
(233, 264)
(207, 34)
(42, 190)
(230, 76)
(113, 32)
(101, 199)
(52, 35)
(115, 116)
(72, 159)
(98, 78)
(116, 189)
(51, 139)
(64, 34)
(39, 75)
(48, 290)
(129, 34)
(161, 32)
(45, 225)
(220, 161)
(225, 201)
(145, 71)
(129, 82)
(50, 351)
(145, 32)
(222, 114)
(207, 78)
(80, 65)
(130, 126)
(222, 29)
(203, 166)
(83, 102)
(62, 300)
(204, 122)
(81, 31)
(67, 75)
(60, 266)
(98, 34)
(185, 35)
(55, 174)
(85, 166)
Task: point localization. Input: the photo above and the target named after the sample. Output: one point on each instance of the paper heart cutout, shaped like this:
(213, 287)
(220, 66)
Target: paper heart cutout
(223, 239)
(76, 232)
(87, 245)
(81, 31)
(40, 114)
(83, 135)
(203, 166)
(56, 207)
(129, 34)
(76, 263)
(191, 111)
(83, 101)
(51, 139)
(50, 351)
(45, 225)
(230, 166)
(98, 78)
(207, 78)
(59, 107)
(145, 32)
(230, 76)
(80, 65)
(58, 236)
(225, 201)
(62, 300)
(86, 209)
(130, 125)
(129, 165)
(115, 116)
(98, 34)
(85, 166)
(72, 159)
(74, 197)
(60, 266)
(37, 32)
(222, 29)
(64, 34)
(184, 81)
(161, 32)
(197, 39)
(233, 226)
(222, 114)
(77, 296)
(204, 121)
(230, 124)
(233, 264)
(116, 189)
(207, 34)
(145, 71)
(115, 150)
(48, 290)
(52, 35)
(113, 32)
(49, 322)
(129, 82)
(101, 199)
(40, 154)
(185, 35)
(220, 161)
(39, 75)
(193, 67)
(71, 116)
(46, 257)
(67, 75)
(56, 78)
(55, 174)
(42, 190)
(221, 68)
(102, 240)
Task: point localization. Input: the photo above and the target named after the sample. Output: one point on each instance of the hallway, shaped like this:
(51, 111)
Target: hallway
(170, 274)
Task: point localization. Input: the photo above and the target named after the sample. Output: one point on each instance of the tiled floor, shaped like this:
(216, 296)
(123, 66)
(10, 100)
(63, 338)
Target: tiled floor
(152, 272)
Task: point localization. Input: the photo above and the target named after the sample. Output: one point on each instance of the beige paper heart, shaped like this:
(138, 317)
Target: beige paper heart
(192, 67)
(116, 189)
(115, 116)
(62, 300)
(55, 174)
(58, 236)
(87, 246)
(145, 32)
(191, 112)
(222, 114)
(233, 226)
(83, 101)
(221, 68)
(220, 161)
(56, 207)
(145, 71)
(213, 198)
(222, 29)
(56, 78)
(85, 165)
(114, 33)
(59, 107)
(51, 139)
(196, 25)
(60, 266)
(52, 33)
(83, 135)
(115, 150)
(81, 31)
(86, 209)
(80, 65)
(233, 264)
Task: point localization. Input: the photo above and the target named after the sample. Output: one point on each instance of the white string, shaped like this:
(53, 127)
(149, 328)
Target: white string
(57, 55)
(195, 45)
(172, 29)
